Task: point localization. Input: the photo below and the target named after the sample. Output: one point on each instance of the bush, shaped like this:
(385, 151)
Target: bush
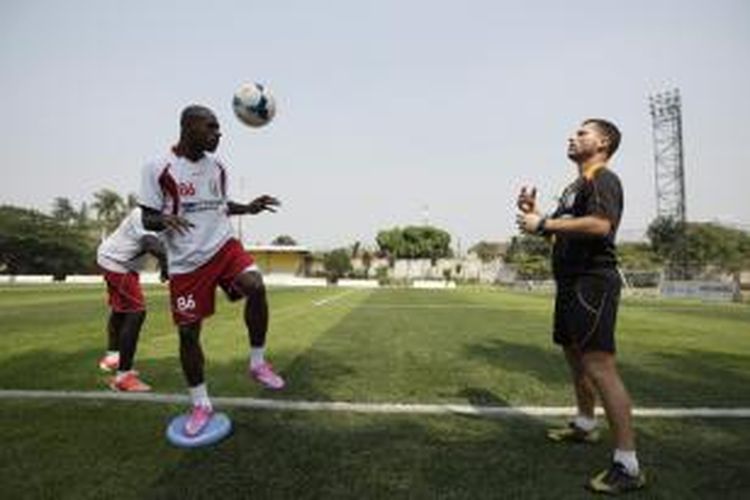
(337, 264)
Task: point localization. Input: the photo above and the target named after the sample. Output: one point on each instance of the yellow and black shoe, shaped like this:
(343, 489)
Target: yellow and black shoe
(573, 434)
(616, 480)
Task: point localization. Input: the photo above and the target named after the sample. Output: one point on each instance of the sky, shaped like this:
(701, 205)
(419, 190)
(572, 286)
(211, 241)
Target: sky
(389, 113)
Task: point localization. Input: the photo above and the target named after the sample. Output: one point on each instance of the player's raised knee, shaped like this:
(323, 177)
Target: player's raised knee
(251, 283)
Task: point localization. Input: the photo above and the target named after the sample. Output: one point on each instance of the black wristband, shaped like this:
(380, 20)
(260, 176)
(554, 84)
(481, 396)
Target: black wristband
(540, 229)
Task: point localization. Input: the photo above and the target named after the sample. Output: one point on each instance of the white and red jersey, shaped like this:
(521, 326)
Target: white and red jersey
(196, 191)
(122, 251)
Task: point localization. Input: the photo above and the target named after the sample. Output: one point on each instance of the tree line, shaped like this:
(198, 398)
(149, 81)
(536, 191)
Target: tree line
(65, 240)
(681, 250)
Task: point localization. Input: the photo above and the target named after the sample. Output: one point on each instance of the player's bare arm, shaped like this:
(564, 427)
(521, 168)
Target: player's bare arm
(153, 220)
(152, 245)
(261, 203)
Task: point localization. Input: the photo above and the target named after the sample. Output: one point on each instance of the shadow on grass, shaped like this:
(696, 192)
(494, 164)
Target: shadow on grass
(545, 365)
(45, 369)
(683, 378)
(478, 396)
(276, 455)
(118, 450)
(690, 378)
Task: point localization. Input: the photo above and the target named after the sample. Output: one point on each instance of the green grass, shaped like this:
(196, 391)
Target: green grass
(481, 346)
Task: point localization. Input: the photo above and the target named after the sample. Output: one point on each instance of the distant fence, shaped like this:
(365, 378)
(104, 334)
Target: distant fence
(26, 279)
(704, 290)
(719, 291)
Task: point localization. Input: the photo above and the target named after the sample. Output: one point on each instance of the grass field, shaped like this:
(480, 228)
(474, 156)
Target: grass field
(476, 346)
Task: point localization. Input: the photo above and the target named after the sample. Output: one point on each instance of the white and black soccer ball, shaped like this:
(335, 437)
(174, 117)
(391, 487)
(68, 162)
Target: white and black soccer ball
(254, 104)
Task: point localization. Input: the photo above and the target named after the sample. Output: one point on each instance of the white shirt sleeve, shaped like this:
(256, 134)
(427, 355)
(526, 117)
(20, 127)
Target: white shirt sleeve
(151, 195)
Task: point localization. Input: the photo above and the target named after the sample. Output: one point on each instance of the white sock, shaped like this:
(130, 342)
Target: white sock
(586, 423)
(628, 459)
(257, 356)
(121, 374)
(199, 395)
(113, 353)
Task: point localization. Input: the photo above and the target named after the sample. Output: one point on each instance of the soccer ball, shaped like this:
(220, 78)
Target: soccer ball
(253, 104)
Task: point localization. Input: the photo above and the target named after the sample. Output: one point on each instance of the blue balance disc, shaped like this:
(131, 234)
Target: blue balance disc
(217, 429)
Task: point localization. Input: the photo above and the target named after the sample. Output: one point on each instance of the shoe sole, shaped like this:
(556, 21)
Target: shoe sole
(267, 385)
(255, 379)
(638, 487)
(566, 439)
(114, 387)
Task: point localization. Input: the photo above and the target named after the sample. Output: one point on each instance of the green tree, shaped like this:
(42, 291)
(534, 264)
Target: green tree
(63, 211)
(701, 246)
(668, 240)
(415, 242)
(109, 207)
(487, 251)
(530, 257)
(390, 243)
(337, 263)
(34, 243)
(284, 240)
(638, 256)
(131, 201)
(82, 215)
(724, 248)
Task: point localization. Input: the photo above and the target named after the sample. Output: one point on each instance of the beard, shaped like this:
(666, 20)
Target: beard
(574, 155)
(579, 155)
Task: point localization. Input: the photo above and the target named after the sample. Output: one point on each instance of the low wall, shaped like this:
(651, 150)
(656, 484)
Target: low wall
(702, 290)
(26, 279)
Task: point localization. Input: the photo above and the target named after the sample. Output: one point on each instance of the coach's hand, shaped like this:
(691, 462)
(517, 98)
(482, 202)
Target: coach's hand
(264, 202)
(529, 222)
(527, 200)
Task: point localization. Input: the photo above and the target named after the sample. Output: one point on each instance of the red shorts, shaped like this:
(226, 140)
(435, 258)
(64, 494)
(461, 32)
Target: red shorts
(193, 294)
(124, 290)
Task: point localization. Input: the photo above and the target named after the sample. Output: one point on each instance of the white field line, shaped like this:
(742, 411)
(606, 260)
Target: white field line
(381, 408)
(430, 306)
(329, 300)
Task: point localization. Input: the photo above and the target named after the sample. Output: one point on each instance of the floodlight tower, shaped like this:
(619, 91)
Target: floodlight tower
(666, 114)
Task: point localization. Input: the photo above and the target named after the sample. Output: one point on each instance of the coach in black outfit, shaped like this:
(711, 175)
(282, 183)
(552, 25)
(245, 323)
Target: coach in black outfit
(584, 263)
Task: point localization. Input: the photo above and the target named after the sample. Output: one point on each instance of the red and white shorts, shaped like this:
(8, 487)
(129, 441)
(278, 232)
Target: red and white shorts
(124, 291)
(193, 294)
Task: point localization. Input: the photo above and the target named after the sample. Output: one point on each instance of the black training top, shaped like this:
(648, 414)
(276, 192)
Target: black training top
(599, 195)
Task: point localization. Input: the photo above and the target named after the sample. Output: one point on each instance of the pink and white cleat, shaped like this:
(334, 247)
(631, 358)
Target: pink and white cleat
(129, 382)
(109, 363)
(199, 417)
(264, 374)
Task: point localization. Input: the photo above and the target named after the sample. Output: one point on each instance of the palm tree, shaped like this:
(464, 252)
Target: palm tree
(110, 209)
(132, 201)
(62, 210)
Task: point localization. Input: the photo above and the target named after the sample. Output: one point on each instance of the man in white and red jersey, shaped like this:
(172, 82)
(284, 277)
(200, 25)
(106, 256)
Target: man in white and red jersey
(184, 194)
(121, 256)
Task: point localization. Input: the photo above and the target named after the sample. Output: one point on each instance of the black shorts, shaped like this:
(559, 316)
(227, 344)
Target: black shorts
(586, 310)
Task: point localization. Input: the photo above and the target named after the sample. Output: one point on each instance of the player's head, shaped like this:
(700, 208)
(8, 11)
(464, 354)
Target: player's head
(594, 139)
(199, 128)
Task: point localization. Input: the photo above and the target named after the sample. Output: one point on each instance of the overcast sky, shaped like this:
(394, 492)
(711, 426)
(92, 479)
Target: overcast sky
(389, 112)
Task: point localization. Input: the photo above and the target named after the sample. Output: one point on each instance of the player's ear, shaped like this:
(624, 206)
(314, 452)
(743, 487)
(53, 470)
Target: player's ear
(604, 143)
